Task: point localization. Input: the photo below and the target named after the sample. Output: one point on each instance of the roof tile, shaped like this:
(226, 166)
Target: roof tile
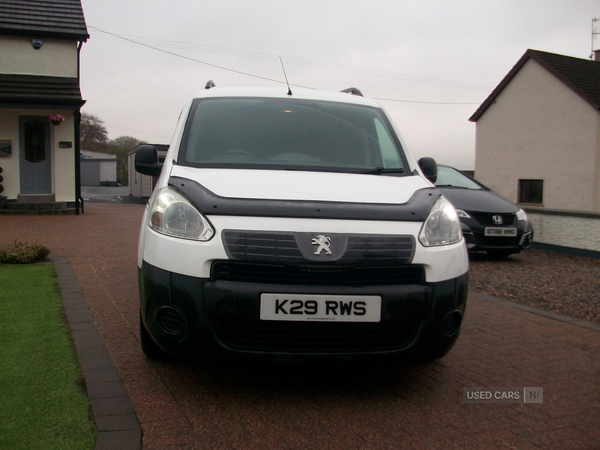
(580, 75)
(40, 90)
(44, 18)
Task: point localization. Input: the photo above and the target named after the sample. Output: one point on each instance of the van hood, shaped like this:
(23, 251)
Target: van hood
(307, 186)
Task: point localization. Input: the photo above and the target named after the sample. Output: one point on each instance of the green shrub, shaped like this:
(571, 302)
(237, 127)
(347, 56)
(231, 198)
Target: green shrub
(22, 253)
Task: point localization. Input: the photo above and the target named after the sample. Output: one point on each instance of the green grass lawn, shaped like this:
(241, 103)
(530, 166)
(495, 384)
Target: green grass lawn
(43, 404)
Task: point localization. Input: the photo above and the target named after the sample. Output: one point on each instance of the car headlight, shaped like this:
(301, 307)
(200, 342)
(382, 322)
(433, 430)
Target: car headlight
(461, 213)
(442, 226)
(173, 214)
(521, 215)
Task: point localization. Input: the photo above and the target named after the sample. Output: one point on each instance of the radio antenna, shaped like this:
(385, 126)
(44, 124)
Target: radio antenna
(285, 75)
(594, 34)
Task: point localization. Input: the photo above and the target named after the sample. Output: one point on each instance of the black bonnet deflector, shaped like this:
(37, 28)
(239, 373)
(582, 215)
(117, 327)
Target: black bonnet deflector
(415, 210)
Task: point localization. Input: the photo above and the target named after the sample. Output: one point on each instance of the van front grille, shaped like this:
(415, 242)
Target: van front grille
(317, 275)
(310, 337)
(286, 248)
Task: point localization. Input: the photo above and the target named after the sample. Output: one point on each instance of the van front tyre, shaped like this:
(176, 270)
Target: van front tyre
(149, 347)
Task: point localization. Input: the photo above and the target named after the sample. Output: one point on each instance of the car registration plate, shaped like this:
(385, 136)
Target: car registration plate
(320, 308)
(499, 231)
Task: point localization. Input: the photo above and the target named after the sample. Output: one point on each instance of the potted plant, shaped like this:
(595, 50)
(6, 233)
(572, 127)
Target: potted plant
(56, 119)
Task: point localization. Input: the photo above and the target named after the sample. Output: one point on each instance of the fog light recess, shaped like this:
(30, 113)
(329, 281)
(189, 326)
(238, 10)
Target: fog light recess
(171, 321)
(451, 323)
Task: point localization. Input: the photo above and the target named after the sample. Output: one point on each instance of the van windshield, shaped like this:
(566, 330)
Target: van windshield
(290, 134)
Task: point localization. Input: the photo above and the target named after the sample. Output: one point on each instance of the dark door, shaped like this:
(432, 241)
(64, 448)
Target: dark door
(34, 155)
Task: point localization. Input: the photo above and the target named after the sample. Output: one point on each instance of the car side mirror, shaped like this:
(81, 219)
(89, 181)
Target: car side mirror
(429, 168)
(146, 160)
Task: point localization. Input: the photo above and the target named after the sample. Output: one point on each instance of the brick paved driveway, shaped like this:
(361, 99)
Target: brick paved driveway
(193, 405)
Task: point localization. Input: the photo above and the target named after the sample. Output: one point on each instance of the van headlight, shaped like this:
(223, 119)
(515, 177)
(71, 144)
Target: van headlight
(173, 214)
(442, 226)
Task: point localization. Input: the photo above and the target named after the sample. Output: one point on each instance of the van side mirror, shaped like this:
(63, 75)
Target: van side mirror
(146, 160)
(429, 168)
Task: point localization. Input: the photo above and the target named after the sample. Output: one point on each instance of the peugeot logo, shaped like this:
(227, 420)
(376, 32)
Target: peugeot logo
(324, 243)
(497, 220)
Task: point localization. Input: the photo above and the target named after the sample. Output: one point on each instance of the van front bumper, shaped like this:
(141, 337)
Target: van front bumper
(187, 316)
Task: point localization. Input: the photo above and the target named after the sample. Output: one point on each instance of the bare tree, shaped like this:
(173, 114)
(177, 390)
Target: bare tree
(93, 133)
(121, 146)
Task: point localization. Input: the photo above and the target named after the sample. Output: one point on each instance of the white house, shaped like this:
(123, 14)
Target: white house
(39, 80)
(538, 144)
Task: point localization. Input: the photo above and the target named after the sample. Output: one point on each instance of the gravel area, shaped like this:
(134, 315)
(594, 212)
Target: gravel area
(550, 281)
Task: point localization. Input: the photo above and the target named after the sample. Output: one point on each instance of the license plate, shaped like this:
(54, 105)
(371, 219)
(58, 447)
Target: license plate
(320, 308)
(499, 231)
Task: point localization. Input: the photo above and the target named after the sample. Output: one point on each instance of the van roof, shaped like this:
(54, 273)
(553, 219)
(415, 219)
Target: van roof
(282, 92)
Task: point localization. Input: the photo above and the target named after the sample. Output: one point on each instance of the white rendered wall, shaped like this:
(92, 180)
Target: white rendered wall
(63, 164)
(56, 57)
(9, 130)
(539, 129)
(566, 231)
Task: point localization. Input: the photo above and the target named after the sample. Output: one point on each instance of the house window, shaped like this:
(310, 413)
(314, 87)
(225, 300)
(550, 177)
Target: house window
(531, 191)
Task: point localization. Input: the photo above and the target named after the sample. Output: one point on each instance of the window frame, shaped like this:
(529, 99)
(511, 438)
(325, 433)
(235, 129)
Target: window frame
(529, 183)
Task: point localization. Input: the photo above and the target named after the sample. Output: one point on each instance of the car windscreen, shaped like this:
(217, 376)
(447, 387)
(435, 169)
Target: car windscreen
(290, 134)
(449, 177)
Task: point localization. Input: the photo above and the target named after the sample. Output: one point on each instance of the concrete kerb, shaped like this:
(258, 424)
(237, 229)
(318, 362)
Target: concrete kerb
(116, 421)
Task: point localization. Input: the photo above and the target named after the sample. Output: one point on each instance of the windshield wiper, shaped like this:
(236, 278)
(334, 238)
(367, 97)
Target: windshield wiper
(457, 187)
(382, 170)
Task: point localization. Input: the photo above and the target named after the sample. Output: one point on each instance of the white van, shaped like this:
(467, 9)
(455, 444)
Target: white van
(295, 224)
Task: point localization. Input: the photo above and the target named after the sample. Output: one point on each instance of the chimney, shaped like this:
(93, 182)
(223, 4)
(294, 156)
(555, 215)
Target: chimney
(597, 55)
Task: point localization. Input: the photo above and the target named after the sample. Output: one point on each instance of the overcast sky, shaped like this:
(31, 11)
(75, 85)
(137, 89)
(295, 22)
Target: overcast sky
(430, 63)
